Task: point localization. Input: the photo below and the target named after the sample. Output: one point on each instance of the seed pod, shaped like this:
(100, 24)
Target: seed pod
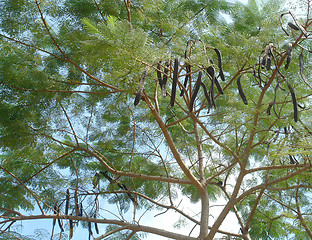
(271, 55)
(304, 32)
(54, 212)
(211, 93)
(206, 92)
(302, 107)
(218, 86)
(174, 81)
(206, 95)
(293, 26)
(196, 89)
(269, 108)
(187, 76)
(76, 204)
(164, 80)
(266, 60)
(57, 212)
(241, 92)
(268, 63)
(124, 187)
(90, 230)
(255, 74)
(96, 180)
(261, 81)
(137, 98)
(294, 100)
(106, 176)
(140, 91)
(221, 74)
(55, 208)
(301, 70)
(158, 71)
(289, 54)
(281, 22)
(96, 225)
(60, 224)
(120, 185)
(263, 62)
(211, 71)
(71, 229)
(132, 198)
(67, 202)
(80, 210)
(293, 160)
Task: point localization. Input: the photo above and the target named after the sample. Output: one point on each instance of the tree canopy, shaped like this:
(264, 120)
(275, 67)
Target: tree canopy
(139, 105)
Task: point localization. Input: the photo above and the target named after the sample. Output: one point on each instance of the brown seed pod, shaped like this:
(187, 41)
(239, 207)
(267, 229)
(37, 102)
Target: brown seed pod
(268, 63)
(159, 77)
(57, 212)
(281, 22)
(54, 212)
(174, 81)
(211, 93)
(137, 98)
(124, 187)
(67, 202)
(158, 71)
(294, 101)
(218, 86)
(221, 74)
(71, 229)
(187, 77)
(140, 91)
(80, 210)
(60, 224)
(206, 92)
(96, 225)
(267, 58)
(76, 204)
(301, 70)
(293, 160)
(261, 81)
(212, 74)
(211, 71)
(196, 89)
(90, 230)
(241, 92)
(106, 176)
(206, 95)
(164, 80)
(293, 26)
(304, 32)
(269, 108)
(289, 54)
(96, 180)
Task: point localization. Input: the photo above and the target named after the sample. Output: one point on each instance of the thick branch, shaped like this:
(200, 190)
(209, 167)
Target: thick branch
(133, 227)
(173, 149)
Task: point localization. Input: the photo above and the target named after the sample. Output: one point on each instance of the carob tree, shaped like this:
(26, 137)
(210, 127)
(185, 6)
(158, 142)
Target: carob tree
(93, 134)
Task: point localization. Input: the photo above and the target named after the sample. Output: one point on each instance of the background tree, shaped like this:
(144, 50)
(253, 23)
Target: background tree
(136, 103)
